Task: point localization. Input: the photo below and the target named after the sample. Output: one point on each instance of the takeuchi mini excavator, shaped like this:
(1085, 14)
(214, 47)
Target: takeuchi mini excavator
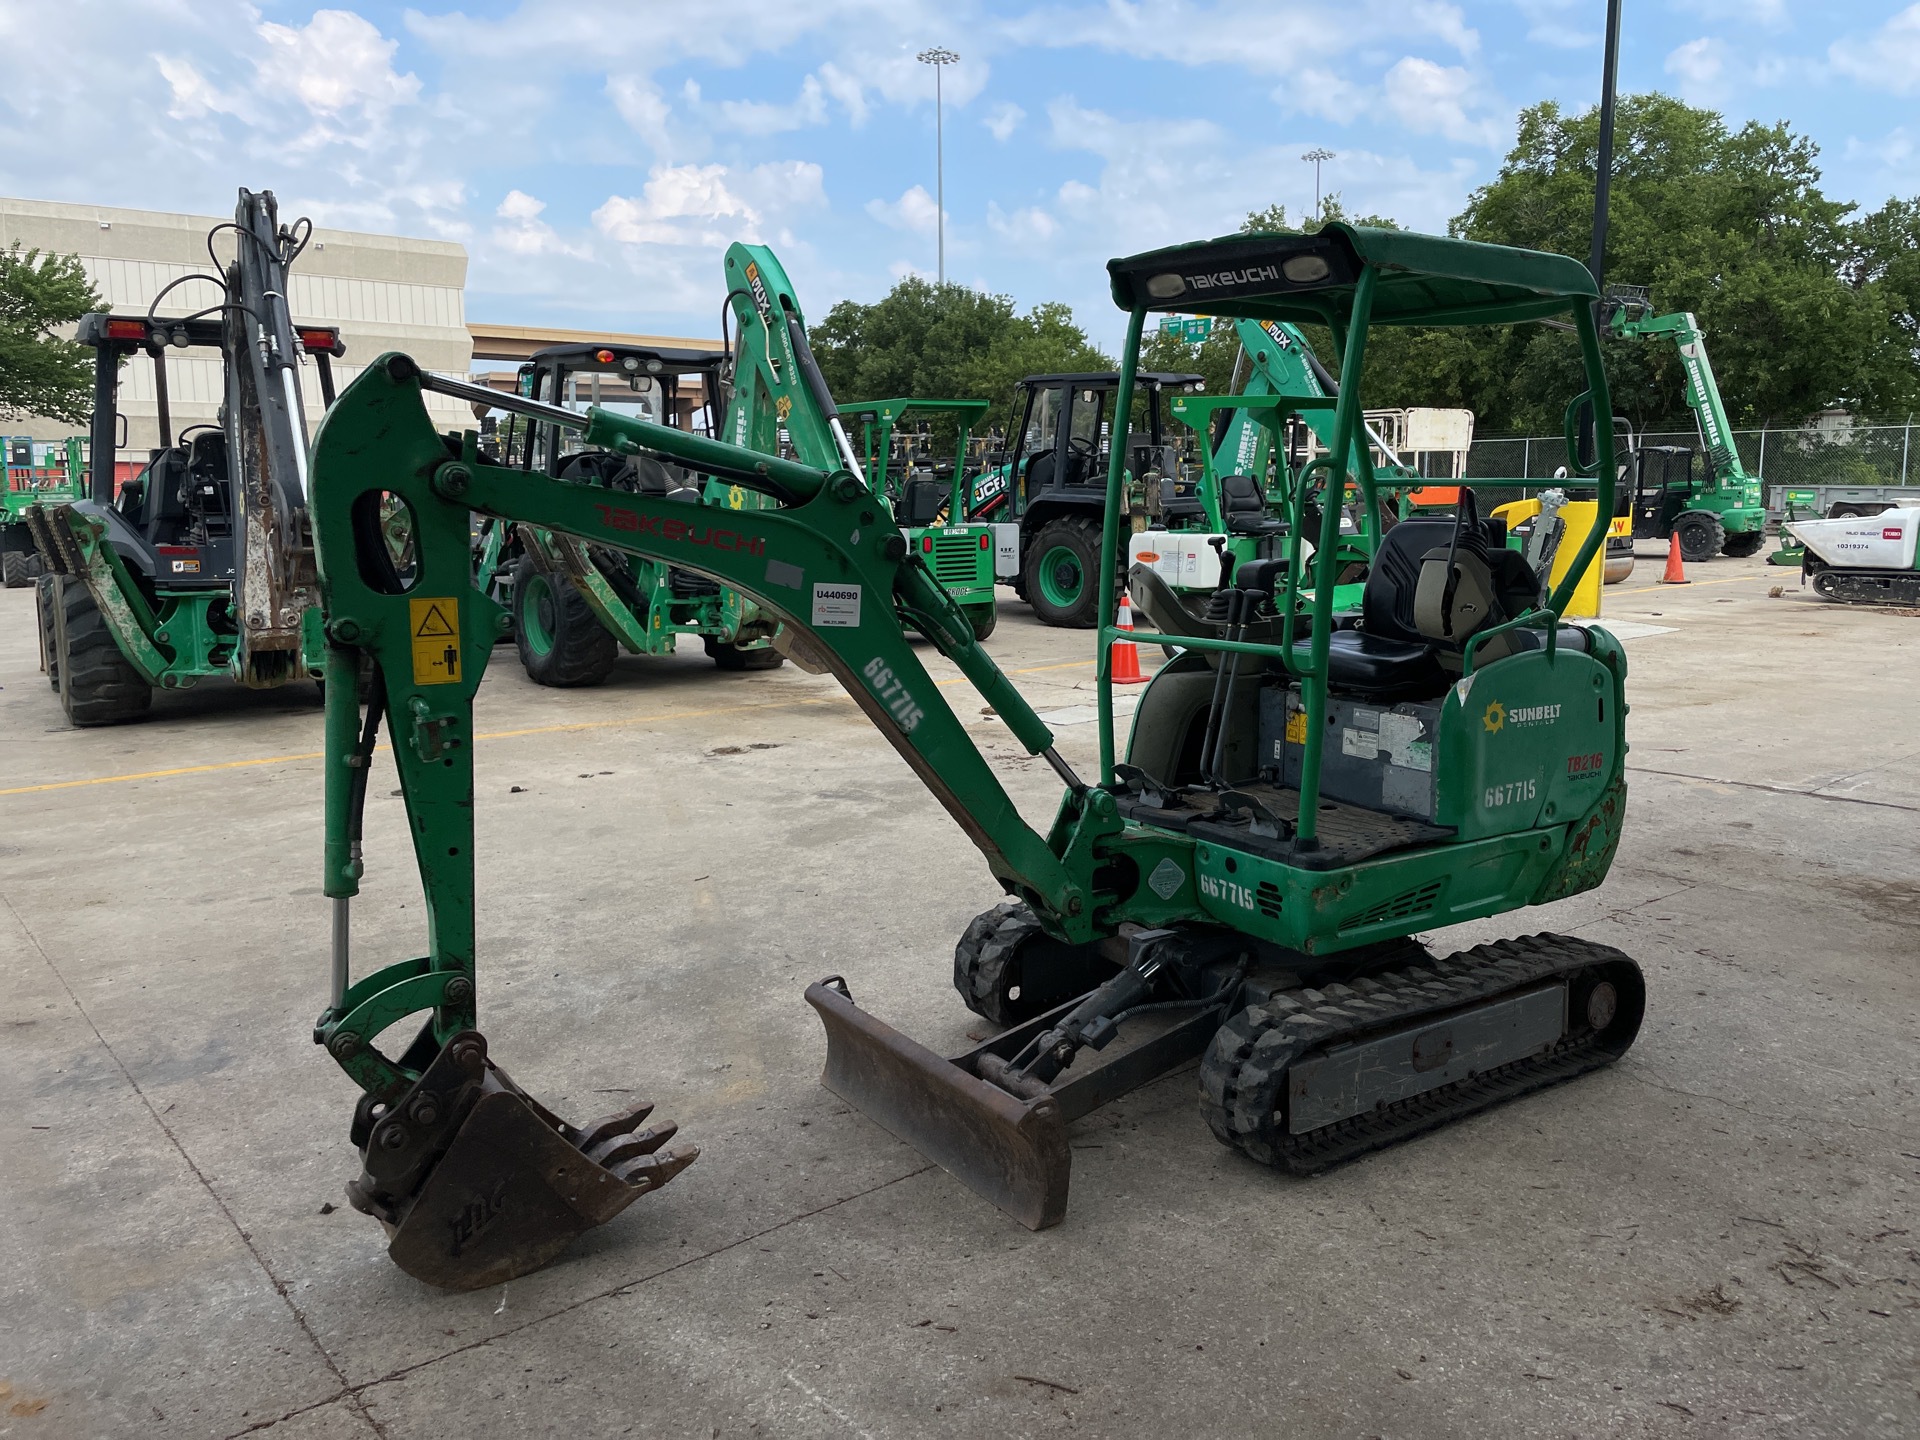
(1240, 884)
(201, 564)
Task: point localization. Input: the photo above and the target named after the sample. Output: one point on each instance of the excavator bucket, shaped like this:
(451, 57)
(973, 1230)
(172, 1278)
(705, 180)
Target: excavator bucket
(1009, 1150)
(476, 1182)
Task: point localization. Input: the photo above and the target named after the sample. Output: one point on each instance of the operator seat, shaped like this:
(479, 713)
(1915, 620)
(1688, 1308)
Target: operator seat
(920, 502)
(1412, 635)
(1244, 508)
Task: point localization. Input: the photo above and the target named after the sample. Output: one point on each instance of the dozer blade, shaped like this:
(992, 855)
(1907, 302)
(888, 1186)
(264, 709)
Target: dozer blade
(1006, 1149)
(478, 1183)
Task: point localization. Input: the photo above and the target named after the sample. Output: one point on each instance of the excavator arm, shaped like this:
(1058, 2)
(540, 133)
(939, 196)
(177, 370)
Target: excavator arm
(826, 559)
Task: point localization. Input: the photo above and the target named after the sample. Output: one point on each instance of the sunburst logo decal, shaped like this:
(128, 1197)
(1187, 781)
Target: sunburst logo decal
(1495, 717)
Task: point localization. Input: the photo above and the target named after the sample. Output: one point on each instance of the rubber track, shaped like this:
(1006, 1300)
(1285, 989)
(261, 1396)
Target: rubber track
(980, 959)
(1856, 588)
(1243, 1077)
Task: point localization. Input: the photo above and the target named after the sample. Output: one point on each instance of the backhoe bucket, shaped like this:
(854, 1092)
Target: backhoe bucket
(477, 1183)
(1008, 1150)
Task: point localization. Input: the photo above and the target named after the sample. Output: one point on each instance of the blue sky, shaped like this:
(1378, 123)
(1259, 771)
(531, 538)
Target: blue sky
(595, 158)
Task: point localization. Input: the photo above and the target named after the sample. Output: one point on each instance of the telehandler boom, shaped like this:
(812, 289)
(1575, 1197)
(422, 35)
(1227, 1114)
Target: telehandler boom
(1297, 798)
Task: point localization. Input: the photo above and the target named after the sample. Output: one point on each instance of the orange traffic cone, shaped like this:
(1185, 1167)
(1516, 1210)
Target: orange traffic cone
(1126, 654)
(1676, 574)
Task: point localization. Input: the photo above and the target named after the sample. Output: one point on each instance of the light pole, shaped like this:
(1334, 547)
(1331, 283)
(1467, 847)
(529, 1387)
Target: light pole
(1314, 157)
(939, 58)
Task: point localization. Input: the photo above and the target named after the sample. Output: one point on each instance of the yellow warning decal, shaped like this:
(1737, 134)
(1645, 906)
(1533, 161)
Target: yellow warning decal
(435, 624)
(1297, 728)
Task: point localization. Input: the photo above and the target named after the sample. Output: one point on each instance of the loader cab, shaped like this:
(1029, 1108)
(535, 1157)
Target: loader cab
(669, 385)
(173, 521)
(1664, 480)
(1063, 436)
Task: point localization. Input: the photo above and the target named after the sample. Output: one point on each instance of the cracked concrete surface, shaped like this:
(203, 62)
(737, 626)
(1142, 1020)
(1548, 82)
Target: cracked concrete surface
(1717, 1236)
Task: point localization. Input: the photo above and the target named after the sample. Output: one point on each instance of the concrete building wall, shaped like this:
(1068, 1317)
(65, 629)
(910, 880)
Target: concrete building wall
(384, 292)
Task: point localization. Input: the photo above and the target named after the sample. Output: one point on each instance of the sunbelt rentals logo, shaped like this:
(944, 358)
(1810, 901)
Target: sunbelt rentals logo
(1499, 716)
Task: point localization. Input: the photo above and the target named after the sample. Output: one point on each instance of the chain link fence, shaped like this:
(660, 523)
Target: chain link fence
(1804, 457)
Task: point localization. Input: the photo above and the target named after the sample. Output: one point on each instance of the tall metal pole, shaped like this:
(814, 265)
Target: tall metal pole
(939, 58)
(1313, 157)
(1602, 189)
(1603, 168)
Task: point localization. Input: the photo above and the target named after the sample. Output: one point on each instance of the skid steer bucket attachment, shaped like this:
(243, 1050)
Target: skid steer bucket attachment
(1009, 1150)
(476, 1182)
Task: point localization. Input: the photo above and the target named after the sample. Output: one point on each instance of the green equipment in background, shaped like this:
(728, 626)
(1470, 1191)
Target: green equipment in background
(201, 564)
(1706, 497)
(1239, 884)
(38, 472)
(928, 497)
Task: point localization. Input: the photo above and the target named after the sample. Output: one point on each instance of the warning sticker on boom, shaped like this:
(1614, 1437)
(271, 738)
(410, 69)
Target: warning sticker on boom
(435, 626)
(836, 605)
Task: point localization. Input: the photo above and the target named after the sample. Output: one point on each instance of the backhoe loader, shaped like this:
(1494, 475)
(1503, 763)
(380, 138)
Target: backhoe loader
(1240, 886)
(576, 606)
(202, 564)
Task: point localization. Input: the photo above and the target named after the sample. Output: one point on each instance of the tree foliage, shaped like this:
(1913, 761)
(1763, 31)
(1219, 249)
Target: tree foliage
(1804, 305)
(42, 373)
(947, 342)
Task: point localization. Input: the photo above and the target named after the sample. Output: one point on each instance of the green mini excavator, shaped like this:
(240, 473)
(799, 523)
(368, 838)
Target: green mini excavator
(1241, 885)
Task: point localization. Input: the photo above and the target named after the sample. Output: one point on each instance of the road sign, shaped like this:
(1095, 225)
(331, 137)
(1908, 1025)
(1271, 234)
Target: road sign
(1192, 329)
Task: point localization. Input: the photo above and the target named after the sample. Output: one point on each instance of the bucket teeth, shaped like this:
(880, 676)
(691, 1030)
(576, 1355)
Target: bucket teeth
(590, 1137)
(651, 1171)
(615, 1149)
(479, 1183)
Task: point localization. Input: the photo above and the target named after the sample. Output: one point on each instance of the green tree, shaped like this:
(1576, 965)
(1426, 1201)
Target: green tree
(1794, 296)
(42, 373)
(947, 342)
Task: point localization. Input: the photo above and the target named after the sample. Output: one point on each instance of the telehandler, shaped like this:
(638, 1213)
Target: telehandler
(1241, 885)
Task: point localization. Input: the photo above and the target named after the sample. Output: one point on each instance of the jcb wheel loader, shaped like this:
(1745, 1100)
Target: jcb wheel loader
(1241, 886)
(202, 564)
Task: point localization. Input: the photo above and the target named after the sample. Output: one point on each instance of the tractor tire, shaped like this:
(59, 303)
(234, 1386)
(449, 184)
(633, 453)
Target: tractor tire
(98, 685)
(983, 619)
(734, 658)
(1062, 573)
(16, 570)
(1702, 536)
(1741, 546)
(45, 615)
(561, 641)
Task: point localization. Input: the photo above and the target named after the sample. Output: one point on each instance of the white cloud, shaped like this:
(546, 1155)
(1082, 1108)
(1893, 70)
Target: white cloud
(336, 62)
(1426, 97)
(1314, 91)
(525, 233)
(708, 205)
(1768, 14)
(913, 212)
(1003, 119)
(1698, 66)
(759, 118)
(1562, 24)
(846, 91)
(1024, 227)
(645, 110)
(192, 95)
(1264, 36)
(1887, 60)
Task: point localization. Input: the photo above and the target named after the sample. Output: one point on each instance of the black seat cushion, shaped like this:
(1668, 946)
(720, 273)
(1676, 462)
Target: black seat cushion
(1374, 668)
(1244, 508)
(922, 501)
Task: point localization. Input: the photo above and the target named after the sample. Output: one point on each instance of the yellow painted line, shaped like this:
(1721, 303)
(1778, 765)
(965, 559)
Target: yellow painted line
(1649, 589)
(665, 715)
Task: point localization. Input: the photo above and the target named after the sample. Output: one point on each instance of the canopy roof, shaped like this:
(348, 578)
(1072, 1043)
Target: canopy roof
(1421, 279)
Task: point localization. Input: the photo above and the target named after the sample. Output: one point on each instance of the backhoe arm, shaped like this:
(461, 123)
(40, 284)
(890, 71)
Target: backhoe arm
(828, 562)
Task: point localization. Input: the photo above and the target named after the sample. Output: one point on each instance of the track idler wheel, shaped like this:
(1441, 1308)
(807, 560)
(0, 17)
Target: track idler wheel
(477, 1183)
(1008, 969)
